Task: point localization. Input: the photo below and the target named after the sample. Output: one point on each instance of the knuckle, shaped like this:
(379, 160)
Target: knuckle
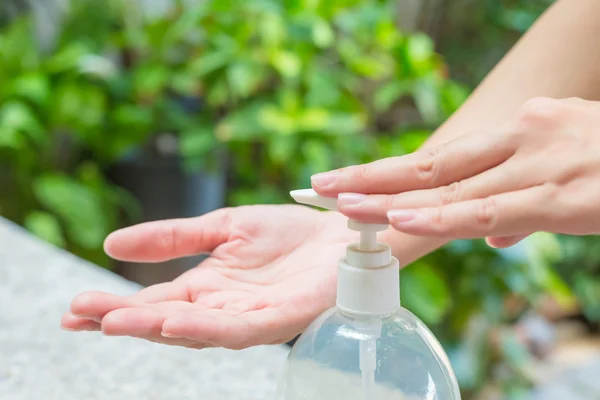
(428, 169)
(438, 221)
(486, 213)
(450, 193)
(361, 173)
(540, 110)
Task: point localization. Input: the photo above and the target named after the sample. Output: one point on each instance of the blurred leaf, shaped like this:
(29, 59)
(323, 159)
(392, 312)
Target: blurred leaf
(281, 149)
(79, 106)
(69, 57)
(275, 120)
(411, 141)
(420, 49)
(244, 78)
(317, 155)
(272, 29)
(45, 226)
(244, 123)
(264, 194)
(322, 34)
(313, 119)
(78, 206)
(587, 288)
(427, 98)
(32, 86)
(209, 62)
(471, 356)
(197, 141)
(424, 292)
(150, 80)
(18, 117)
(543, 249)
(287, 64)
(390, 93)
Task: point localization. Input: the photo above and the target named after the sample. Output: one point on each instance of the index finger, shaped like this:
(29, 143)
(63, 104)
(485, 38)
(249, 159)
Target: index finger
(165, 240)
(458, 159)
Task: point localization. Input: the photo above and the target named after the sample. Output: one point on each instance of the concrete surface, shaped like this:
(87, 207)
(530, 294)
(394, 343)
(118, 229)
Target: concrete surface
(38, 361)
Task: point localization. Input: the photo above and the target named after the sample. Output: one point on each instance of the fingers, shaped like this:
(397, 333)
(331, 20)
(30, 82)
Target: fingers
(457, 160)
(230, 331)
(374, 208)
(143, 323)
(504, 242)
(95, 305)
(165, 240)
(508, 214)
(70, 322)
(163, 292)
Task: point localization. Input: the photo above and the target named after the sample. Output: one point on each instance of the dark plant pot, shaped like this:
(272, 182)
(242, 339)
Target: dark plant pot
(166, 191)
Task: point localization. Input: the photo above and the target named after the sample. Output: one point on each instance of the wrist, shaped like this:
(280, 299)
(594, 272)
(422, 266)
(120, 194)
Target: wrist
(407, 248)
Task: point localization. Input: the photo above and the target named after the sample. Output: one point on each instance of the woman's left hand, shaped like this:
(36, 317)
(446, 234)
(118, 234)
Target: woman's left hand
(539, 172)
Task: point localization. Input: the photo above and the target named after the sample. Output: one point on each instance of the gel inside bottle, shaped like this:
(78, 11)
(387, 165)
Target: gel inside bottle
(367, 347)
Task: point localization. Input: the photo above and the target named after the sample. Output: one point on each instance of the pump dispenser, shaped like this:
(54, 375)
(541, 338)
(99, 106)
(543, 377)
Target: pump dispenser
(367, 347)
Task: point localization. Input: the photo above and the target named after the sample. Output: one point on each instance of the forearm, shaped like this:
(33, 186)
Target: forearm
(559, 57)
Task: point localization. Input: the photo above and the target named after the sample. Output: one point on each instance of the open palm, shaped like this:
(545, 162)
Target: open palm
(271, 271)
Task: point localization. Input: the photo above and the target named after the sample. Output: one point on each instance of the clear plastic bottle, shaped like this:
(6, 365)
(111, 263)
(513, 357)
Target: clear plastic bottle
(367, 347)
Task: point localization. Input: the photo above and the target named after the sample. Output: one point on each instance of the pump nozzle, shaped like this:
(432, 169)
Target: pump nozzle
(368, 232)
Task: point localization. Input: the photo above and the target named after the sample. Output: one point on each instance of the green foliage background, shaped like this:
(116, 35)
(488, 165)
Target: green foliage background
(286, 89)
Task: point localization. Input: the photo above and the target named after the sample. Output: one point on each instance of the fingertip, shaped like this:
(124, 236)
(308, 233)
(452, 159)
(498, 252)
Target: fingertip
(503, 242)
(137, 322)
(95, 304)
(72, 323)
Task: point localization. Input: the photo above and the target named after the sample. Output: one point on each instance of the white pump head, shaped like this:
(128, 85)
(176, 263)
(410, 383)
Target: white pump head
(368, 232)
(368, 277)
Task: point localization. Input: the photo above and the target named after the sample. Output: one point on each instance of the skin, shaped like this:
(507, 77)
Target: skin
(272, 269)
(475, 186)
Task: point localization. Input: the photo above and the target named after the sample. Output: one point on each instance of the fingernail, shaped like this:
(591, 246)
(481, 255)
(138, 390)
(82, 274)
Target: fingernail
(401, 216)
(170, 335)
(324, 179)
(351, 199)
(68, 329)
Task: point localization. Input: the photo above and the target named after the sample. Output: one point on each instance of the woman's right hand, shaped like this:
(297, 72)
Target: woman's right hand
(271, 271)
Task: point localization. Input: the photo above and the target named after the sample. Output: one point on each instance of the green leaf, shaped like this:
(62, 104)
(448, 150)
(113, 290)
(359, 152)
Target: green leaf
(411, 141)
(149, 81)
(388, 94)
(281, 149)
(272, 29)
(242, 124)
(587, 287)
(18, 117)
(244, 78)
(78, 206)
(46, 226)
(318, 156)
(276, 120)
(209, 62)
(33, 86)
(322, 34)
(427, 99)
(419, 48)
(197, 141)
(471, 356)
(69, 57)
(313, 119)
(287, 63)
(424, 292)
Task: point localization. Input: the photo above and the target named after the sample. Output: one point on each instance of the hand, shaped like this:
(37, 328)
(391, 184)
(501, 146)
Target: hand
(271, 271)
(540, 172)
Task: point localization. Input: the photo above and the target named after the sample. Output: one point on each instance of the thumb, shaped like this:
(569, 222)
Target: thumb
(165, 240)
(504, 242)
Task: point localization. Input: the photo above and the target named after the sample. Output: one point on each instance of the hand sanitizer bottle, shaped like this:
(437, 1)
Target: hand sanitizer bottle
(367, 347)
